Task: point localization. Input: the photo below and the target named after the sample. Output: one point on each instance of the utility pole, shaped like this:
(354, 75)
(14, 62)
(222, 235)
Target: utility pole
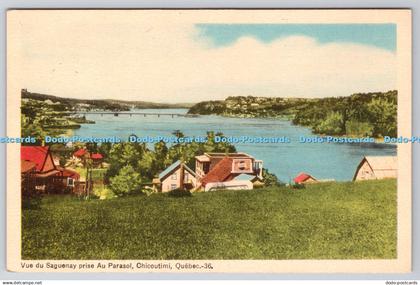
(87, 186)
(88, 182)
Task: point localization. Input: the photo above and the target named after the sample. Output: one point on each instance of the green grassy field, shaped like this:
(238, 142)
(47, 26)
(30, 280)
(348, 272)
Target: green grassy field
(323, 221)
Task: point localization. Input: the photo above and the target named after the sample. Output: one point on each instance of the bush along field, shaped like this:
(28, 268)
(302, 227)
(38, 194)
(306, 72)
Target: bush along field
(349, 220)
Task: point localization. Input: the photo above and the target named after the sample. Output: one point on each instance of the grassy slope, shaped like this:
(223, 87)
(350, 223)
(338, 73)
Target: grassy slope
(336, 220)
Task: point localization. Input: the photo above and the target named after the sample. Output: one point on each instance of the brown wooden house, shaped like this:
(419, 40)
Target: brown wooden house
(41, 175)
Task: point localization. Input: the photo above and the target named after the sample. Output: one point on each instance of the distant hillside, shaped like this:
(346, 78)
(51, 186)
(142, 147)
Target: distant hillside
(250, 107)
(361, 114)
(102, 104)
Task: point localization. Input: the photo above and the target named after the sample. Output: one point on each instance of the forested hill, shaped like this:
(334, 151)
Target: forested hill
(361, 114)
(101, 104)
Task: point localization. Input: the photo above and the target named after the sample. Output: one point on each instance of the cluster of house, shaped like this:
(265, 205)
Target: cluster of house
(81, 155)
(40, 171)
(232, 171)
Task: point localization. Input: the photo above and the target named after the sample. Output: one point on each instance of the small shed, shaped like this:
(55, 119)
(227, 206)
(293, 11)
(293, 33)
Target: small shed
(80, 153)
(96, 156)
(304, 178)
(97, 159)
(376, 167)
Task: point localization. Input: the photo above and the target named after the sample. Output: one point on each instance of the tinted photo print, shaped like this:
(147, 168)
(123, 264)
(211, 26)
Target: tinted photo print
(209, 141)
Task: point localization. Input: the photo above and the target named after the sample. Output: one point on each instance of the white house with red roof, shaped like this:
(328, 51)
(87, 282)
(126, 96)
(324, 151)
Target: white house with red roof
(230, 171)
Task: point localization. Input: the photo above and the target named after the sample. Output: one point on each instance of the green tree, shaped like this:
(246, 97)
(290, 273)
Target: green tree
(212, 146)
(148, 165)
(38, 120)
(104, 149)
(162, 159)
(357, 128)
(32, 128)
(270, 179)
(332, 125)
(92, 147)
(127, 181)
(383, 115)
(360, 113)
(123, 154)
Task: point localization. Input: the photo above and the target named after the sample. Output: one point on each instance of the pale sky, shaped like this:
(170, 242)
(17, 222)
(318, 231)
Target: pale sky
(142, 58)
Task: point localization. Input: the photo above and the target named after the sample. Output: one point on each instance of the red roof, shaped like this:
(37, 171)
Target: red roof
(302, 177)
(69, 173)
(34, 154)
(26, 166)
(220, 172)
(96, 156)
(80, 152)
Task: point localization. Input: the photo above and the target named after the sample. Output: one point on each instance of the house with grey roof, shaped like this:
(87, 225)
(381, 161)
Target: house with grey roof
(170, 178)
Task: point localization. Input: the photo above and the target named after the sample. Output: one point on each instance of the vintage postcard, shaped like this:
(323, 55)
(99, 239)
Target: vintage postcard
(251, 141)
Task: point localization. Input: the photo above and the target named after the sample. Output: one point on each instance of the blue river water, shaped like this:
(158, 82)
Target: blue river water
(322, 160)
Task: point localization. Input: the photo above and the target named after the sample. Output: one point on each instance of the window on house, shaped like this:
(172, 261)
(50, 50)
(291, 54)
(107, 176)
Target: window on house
(173, 186)
(186, 176)
(206, 167)
(70, 182)
(174, 176)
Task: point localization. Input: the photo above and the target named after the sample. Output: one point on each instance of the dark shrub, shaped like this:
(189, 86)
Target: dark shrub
(180, 193)
(297, 186)
(270, 179)
(31, 202)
